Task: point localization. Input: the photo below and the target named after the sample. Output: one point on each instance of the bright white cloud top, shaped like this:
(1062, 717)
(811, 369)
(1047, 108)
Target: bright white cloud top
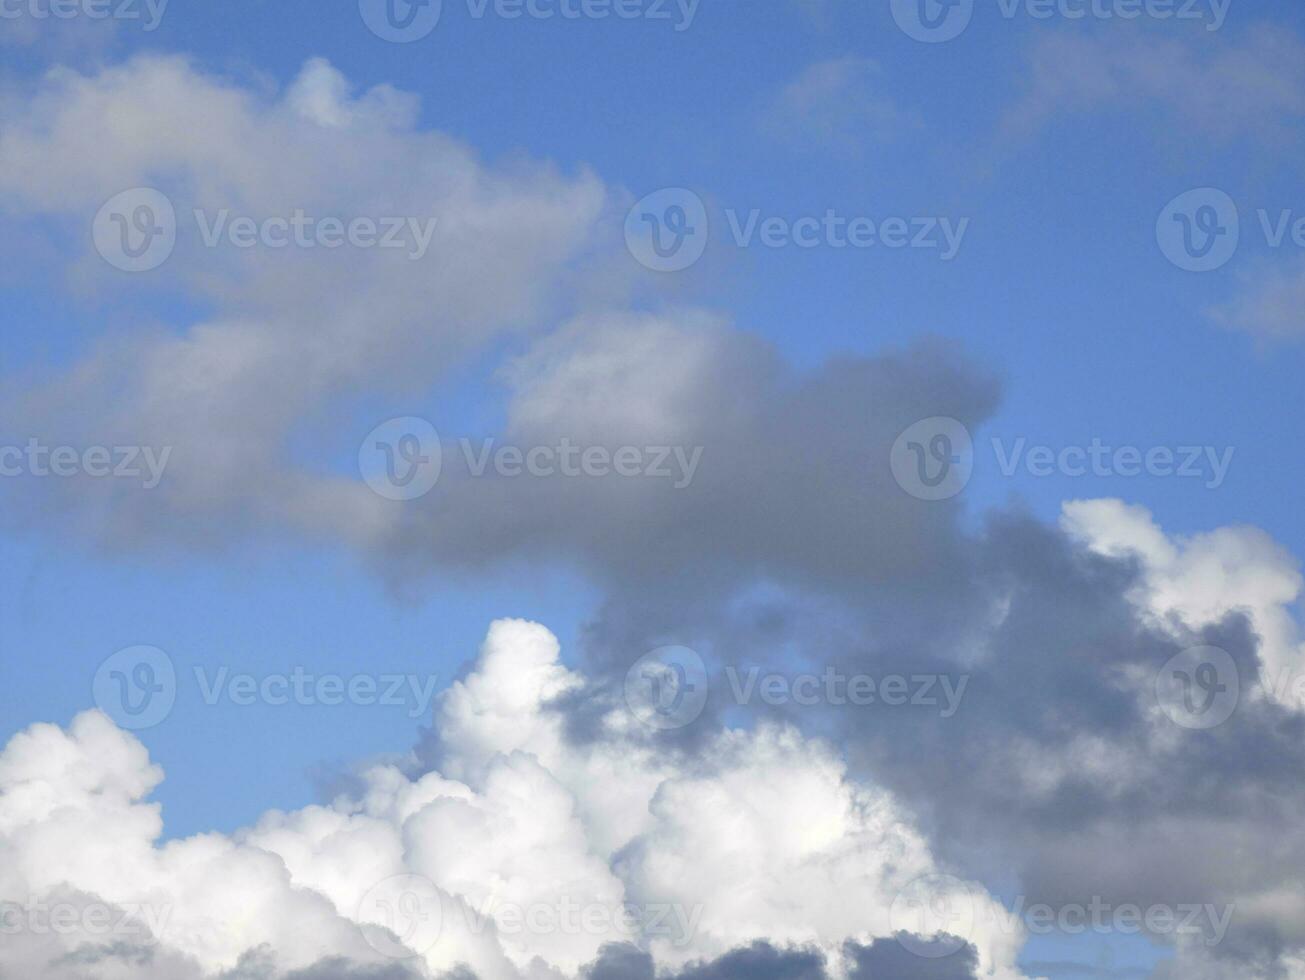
(541, 851)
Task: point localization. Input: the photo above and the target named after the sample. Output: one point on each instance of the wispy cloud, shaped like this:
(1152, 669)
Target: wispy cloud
(842, 104)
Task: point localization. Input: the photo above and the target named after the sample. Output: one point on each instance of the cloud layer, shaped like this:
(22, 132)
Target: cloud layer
(540, 858)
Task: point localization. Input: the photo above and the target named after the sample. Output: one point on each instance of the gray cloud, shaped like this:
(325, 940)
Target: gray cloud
(885, 959)
(841, 104)
(791, 545)
(1224, 87)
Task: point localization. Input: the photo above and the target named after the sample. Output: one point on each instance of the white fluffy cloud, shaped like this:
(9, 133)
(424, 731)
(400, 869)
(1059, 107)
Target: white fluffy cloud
(533, 844)
(1199, 580)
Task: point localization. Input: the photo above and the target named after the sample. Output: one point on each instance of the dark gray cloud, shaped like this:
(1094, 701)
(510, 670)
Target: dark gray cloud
(889, 959)
(792, 486)
(790, 547)
(885, 959)
(794, 548)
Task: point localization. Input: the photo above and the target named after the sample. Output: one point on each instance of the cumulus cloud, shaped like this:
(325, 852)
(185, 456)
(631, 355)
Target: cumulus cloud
(1067, 763)
(542, 858)
(789, 544)
(288, 333)
(1203, 579)
(244, 396)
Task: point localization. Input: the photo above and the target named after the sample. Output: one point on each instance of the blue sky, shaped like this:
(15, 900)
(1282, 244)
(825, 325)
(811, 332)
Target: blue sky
(1059, 290)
